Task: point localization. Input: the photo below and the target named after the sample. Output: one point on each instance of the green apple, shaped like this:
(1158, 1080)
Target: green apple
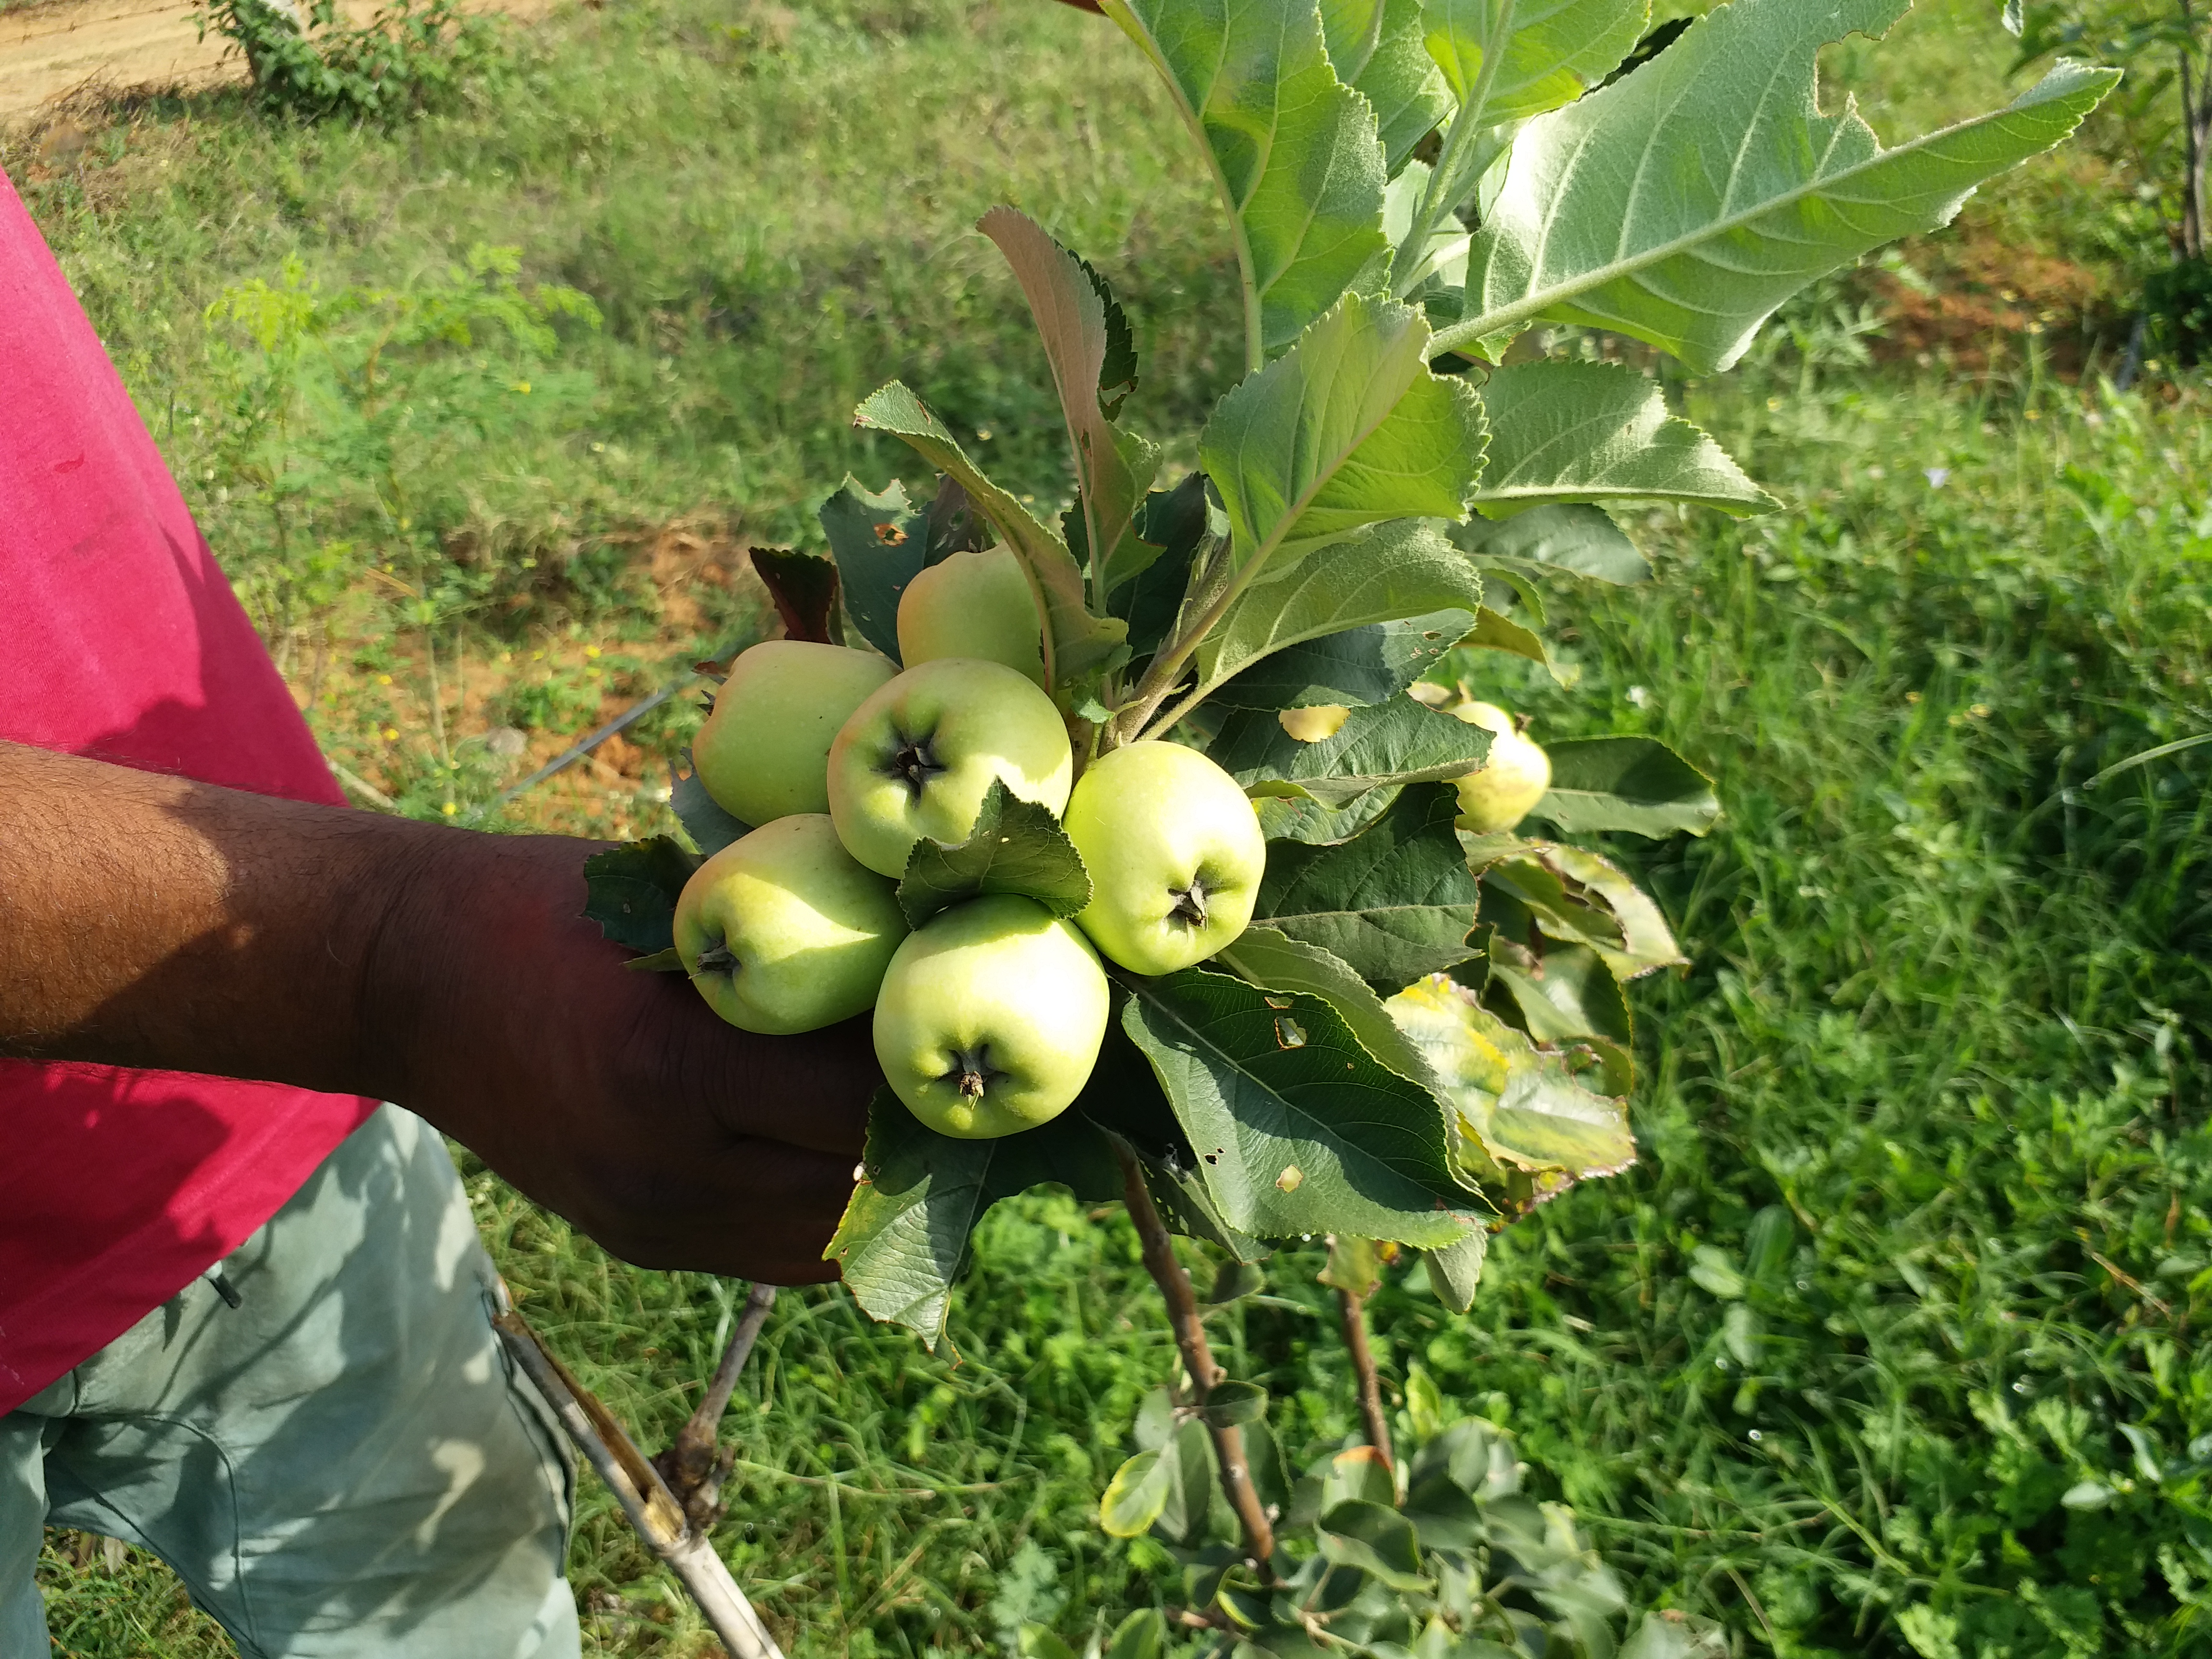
(918, 756)
(1511, 781)
(973, 605)
(762, 753)
(1175, 851)
(782, 932)
(990, 1018)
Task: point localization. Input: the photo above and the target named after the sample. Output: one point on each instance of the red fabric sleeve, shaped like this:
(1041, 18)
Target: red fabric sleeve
(122, 640)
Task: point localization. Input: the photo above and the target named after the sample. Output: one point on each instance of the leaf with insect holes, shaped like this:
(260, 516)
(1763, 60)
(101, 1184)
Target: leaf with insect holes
(1294, 149)
(1075, 640)
(804, 589)
(1599, 432)
(1187, 525)
(1684, 203)
(1016, 847)
(1075, 314)
(1273, 961)
(1384, 744)
(878, 542)
(1578, 539)
(905, 1229)
(1395, 902)
(1371, 664)
(1347, 429)
(1521, 1106)
(1397, 570)
(1522, 57)
(1635, 784)
(1297, 1129)
(631, 890)
(710, 826)
(1377, 47)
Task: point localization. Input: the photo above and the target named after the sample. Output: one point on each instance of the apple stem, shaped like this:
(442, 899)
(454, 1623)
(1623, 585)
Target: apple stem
(717, 958)
(914, 764)
(1197, 1360)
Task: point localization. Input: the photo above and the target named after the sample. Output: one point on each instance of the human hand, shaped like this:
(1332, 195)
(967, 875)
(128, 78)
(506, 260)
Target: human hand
(612, 1096)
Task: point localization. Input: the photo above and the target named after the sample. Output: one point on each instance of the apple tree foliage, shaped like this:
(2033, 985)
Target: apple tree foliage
(1424, 1032)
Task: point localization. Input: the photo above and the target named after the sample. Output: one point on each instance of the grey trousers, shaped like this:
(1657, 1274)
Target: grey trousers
(344, 1464)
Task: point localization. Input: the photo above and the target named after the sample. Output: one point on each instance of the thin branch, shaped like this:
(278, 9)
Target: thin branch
(1351, 1308)
(651, 1509)
(1197, 1360)
(695, 1467)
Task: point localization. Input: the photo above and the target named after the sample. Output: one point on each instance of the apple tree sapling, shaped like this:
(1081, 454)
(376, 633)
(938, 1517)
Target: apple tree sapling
(1345, 995)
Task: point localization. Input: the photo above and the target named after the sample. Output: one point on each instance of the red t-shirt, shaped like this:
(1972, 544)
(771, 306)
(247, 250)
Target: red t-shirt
(120, 639)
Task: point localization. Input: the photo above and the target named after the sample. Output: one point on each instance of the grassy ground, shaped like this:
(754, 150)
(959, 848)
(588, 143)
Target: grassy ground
(1885, 1347)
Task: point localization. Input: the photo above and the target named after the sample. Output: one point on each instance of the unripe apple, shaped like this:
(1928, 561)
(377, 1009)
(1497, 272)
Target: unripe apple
(918, 756)
(990, 1018)
(973, 605)
(1511, 781)
(762, 753)
(782, 932)
(1175, 851)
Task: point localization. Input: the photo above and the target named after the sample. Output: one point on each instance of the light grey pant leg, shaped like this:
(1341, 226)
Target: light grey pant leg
(343, 1465)
(22, 1517)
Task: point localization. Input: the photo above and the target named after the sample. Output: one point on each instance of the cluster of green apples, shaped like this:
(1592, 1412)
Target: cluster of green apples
(988, 1016)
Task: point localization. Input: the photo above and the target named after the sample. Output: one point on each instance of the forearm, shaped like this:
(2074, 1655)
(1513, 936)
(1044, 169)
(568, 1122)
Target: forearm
(154, 921)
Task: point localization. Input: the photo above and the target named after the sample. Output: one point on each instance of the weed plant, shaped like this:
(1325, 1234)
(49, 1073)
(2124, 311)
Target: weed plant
(1888, 1347)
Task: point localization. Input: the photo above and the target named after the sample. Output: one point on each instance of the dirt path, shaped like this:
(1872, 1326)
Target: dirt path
(49, 50)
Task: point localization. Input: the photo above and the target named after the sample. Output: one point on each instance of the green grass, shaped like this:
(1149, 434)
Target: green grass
(1920, 1227)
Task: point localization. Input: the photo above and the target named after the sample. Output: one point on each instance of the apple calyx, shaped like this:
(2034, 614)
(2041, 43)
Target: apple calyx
(913, 761)
(974, 1072)
(1190, 905)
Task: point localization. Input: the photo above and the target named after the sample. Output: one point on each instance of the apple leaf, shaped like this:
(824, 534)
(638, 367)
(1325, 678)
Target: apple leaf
(1347, 429)
(1294, 149)
(1266, 957)
(1124, 1099)
(1547, 52)
(1578, 539)
(1300, 818)
(1377, 47)
(1187, 525)
(705, 822)
(1375, 1540)
(1397, 742)
(1360, 665)
(1016, 847)
(1395, 901)
(1684, 203)
(1631, 783)
(1075, 640)
(1396, 570)
(1297, 1129)
(904, 1234)
(1521, 1106)
(804, 587)
(878, 542)
(1494, 631)
(1577, 897)
(631, 890)
(1073, 311)
(1455, 1271)
(1136, 1496)
(1599, 432)
(660, 962)
(1565, 993)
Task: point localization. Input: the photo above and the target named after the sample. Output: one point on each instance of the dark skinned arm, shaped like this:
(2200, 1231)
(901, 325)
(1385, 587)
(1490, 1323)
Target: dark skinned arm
(153, 921)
